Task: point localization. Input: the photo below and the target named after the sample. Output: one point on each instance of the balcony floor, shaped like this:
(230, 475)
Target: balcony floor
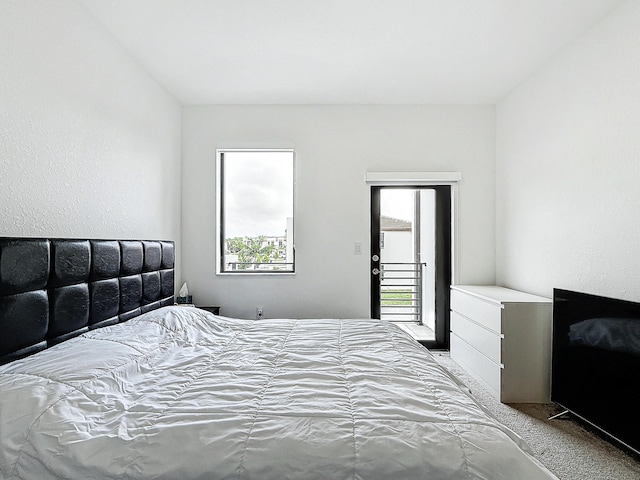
(421, 333)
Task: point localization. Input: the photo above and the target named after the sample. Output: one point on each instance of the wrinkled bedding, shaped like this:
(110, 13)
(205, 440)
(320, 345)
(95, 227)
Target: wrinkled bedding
(179, 393)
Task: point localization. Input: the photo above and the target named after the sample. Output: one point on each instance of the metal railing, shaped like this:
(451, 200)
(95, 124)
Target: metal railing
(401, 291)
(263, 266)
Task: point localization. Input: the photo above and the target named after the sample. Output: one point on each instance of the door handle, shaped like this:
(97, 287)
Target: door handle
(375, 271)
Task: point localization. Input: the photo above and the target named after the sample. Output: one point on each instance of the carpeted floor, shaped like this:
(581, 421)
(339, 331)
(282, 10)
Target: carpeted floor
(563, 445)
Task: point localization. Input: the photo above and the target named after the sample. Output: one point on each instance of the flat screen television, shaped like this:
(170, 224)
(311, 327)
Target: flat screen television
(596, 362)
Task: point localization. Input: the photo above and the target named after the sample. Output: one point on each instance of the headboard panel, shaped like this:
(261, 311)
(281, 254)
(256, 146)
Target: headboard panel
(55, 289)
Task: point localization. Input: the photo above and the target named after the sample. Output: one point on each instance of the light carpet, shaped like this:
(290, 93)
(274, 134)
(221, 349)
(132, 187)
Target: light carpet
(565, 446)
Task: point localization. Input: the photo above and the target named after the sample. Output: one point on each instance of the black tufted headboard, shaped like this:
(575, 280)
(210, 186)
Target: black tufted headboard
(55, 289)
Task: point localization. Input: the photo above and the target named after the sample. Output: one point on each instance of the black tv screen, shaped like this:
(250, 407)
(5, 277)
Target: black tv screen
(596, 362)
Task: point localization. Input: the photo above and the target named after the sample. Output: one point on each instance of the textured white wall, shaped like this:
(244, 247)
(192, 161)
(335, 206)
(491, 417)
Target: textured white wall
(89, 143)
(335, 146)
(568, 168)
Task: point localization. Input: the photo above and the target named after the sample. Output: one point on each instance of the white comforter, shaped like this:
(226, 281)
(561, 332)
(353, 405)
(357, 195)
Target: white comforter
(181, 394)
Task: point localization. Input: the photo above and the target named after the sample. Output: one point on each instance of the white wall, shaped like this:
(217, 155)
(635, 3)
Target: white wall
(568, 168)
(335, 146)
(89, 143)
(398, 247)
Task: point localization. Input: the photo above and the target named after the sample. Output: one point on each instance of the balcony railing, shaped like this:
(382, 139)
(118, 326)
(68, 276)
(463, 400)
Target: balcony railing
(401, 291)
(265, 266)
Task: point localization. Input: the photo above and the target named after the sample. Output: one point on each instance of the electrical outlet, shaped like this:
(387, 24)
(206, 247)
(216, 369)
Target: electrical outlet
(259, 313)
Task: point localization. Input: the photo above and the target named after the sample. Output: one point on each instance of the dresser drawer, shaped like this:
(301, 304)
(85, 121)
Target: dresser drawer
(483, 369)
(480, 311)
(485, 341)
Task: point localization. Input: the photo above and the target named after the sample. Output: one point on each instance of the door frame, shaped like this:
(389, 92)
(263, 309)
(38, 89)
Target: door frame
(445, 184)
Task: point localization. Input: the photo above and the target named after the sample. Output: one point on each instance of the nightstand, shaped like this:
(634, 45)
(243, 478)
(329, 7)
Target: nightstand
(215, 309)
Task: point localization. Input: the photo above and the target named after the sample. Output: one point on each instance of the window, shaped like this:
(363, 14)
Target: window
(255, 211)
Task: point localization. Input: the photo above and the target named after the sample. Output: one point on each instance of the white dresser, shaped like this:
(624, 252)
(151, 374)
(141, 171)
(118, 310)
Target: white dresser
(502, 338)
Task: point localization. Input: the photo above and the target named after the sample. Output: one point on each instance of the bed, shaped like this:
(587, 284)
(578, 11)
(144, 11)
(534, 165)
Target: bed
(154, 390)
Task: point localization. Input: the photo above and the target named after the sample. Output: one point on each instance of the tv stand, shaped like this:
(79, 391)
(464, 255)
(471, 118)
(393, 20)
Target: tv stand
(558, 415)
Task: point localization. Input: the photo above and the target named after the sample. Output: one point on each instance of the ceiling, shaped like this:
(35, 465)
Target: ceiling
(344, 51)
